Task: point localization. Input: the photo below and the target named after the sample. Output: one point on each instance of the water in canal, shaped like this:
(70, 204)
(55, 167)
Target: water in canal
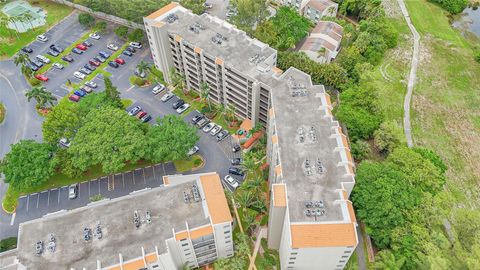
(469, 20)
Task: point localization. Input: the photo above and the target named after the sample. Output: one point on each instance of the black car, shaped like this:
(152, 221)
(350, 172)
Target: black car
(131, 49)
(113, 64)
(222, 135)
(56, 48)
(89, 67)
(77, 51)
(67, 58)
(236, 171)
(196, 118)
(236, 148)
(37, 63)
(236, 161)
(87, 43)
(53, 53)
(146, 119)
(32, 66)
(27, 49)
(177, 104)
(127, 53)
(85, 71)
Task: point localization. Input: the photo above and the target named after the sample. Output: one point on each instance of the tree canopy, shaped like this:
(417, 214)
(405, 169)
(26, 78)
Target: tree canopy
(249, 13)
(61, 122)
(86, 19)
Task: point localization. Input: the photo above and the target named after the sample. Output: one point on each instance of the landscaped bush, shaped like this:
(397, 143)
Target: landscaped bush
(139, 81)
(34, 82)
(452, 6)
(8, 243)
(197, 162)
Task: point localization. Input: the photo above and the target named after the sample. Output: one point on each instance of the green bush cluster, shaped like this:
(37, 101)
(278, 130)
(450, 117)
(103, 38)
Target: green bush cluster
(8, 243)
(452, 6)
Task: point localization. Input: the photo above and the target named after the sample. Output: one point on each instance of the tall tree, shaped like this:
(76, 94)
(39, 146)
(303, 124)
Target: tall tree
(112, 94)
(386, 260)
(28, 17)
(249, 13)
(28, 164)
(62, 121)
(136, 35)
(21, 59)
(86, 20)
(204, 92)
(42, 96)
(121, 32)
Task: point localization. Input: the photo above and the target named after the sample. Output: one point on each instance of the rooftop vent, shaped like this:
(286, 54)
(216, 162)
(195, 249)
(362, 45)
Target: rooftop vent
(219, 39)
(312, 134)
(314, 208)
(256, 59)
(307, 166)
(98, 231)
(320, 168)
(186, 197)
(52, 245)
(196, 194)
(172, 18)
(301, 135)
(196, 27)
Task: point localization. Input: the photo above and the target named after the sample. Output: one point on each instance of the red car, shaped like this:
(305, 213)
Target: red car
(74, 98)
(81, 47)
(141, 114)
(41, 77)
(120, 61)
(94, 62)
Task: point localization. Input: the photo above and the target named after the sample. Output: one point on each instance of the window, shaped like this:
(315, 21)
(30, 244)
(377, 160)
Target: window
(344, 256)
(342, 261)
(291, 262)
(188, 254)
(292, 258)
(347, 251)
(229, 241)
(184, 244)
(227, 232)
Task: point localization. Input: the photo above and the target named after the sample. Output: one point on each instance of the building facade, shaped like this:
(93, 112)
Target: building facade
(314, 10)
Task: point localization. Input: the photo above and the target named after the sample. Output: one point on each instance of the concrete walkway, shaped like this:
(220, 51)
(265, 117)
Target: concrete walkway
(413, 74)
(262, 233)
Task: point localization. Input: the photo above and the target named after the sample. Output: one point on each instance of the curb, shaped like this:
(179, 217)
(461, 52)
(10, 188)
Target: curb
(8, 212)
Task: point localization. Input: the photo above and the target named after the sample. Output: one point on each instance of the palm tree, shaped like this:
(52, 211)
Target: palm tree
(4, 24)
(28, 17)
(21, 59)
(40, 95)
(254, 185)
(249, 164)
(230, 112)
(143, 67)
(204, 92)
(245, 199)
(14, 21)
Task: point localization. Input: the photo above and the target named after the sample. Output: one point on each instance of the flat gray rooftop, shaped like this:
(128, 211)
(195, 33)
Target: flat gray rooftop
(168, 211)
(304, 114)
(236, 49)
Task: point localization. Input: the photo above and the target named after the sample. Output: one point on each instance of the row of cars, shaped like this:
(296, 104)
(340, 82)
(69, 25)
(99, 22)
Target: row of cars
(209, 127)
(87, 88)
(140, 114)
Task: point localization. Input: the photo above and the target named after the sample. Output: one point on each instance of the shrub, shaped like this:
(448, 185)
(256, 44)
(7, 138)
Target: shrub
(452, 6)
(197, 162)
(34, 82)
(86, 19)
(8, 243)
(360, 150)
(477, 57)
(387, 137)
(139, 81)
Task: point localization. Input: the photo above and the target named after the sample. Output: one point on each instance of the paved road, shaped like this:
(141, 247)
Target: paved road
(413, 74)
(219, 8)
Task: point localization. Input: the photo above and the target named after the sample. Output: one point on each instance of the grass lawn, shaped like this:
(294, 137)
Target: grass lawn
(2, 113)
(59, 180)
(9, 44)
(126, 103)
(188, 164)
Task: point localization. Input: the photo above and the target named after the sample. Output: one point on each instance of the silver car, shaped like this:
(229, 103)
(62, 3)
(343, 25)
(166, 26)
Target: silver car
(208, 127)
(215, 130)
(73, 191)
(231, 181)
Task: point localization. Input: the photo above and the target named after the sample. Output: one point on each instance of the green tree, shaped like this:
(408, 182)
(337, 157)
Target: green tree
(204, 92)
(250, 164)
(170, 139)
(196, 6)
(28, 164)
(386, 260)
(111, 93)
(452, 6)
(100, 26)
(249, 13)
(22, 59)
(136, 35)
(42, 96)
(360, 149)
(27, 16)
(468, 227)
(177, 79)
(86, 20)
(121, 32)
(388, 137)
(108, 137)
(61, 122)
(143, 67)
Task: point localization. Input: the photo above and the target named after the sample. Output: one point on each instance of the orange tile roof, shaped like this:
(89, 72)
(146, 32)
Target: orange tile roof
(114, 268)
(197, 50)
(350, 169)
(279, 195)
(271, 112)
(345, 194)
(219, 61)
(353, 218)
(344, 141)
(159, 24)
(277, 70)
(166, 181)
(349, 156)
(151, 258)
(329, 101)
(274, 139)
(181, 235)
(201, 232)
(134, 265)
(278, 169)
(323, 235)
(178, 38)
(215, 197)
(162, 11)
(329, 112)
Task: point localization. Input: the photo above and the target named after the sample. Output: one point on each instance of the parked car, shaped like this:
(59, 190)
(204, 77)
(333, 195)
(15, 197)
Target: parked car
(91, 84)
(77, 50)
(41, 77)
(120, 61)
(64, 142)
(140, 74)
(236, 161)
(112, 47)
(167, 97)
(42, 38)
(94, 62)
(236, 148)
(134, 110)
(236, 171)
(37, 63)
(79, 75)
(146, 118)
(104, 54)
(222, 135)
(81, 47)
(42, 59)
(87, 43)
(215, 130)
(231, 181)
(113, 64)
(95, 36)
(203, 122)
(85, 71)
(67, 58)
(183, 108)
(73, 191)
(208, 127)
(131, 49)
(27, 49)
(100, 59)
(56, 48)
(89, 67)
(136, 45)
(196, 118)
(74, 98)
(192, 151)
(53, 53)
(80, 93)
(141, 114)
(177, 104)
(158, 88)
(127, 53)
(32, 66)
(86, 89)
(57, 66)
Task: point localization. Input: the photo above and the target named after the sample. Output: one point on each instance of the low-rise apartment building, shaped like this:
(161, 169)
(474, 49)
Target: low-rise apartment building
(185, 222)
(323, 43)
(314, 10)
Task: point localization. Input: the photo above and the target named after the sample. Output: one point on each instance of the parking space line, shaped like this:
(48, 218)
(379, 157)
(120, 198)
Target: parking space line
(144, 179)
(28, 201)
(99, 179)
(123, 179)
(89, 189)
(163, 167)
(38, 199)
(154, 177)
(59, 195)
(48, 198)
(133, 175)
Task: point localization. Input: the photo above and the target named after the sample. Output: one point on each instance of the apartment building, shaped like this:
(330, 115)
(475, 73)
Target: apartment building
(185, 222)
(323, 43)
(314, 10)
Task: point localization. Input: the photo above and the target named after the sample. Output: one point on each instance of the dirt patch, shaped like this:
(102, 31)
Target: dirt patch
(392, 9)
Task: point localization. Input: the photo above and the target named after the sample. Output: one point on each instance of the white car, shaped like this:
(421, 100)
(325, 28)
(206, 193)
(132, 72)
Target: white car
(72, 191)
(94, 36)
(42, 38)
(57, 65)
(91, 84)
(215, 130)
(183, 108)
(231, 181)
(136, 45)
(158, 88)
(208, 127)
(64, 142)
(167, 97)
(193, 150)
(79, 75)
(112, 47)
(43, 59)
